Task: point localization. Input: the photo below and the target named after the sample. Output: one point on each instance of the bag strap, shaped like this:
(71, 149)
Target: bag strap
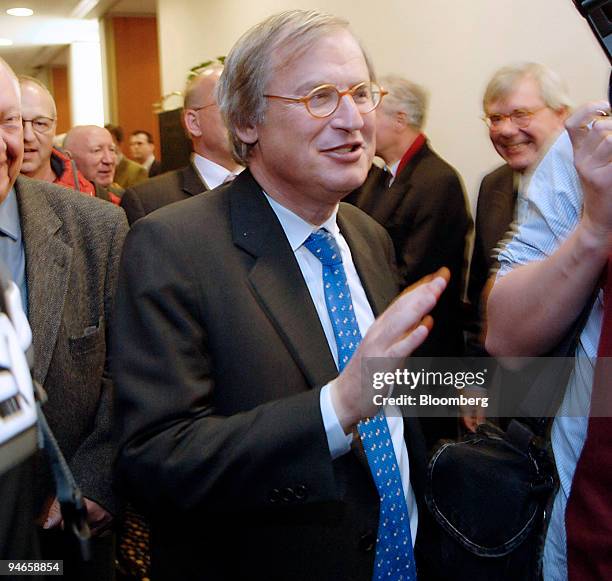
(67, 491)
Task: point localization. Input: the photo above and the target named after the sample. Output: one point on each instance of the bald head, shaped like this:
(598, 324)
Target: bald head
(93, 150)
(203, 121)
(201, 89)
(11, 131)
(39, 122)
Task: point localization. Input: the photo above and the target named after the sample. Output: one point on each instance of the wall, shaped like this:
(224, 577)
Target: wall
(59, 88)
(451, 47)
(133, 77)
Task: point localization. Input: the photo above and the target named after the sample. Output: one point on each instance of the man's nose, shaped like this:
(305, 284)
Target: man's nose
(506, 127)
(347, 115)
(28, 131)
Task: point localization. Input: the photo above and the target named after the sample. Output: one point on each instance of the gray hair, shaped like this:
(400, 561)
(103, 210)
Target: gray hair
(407, 97)
(240, 92)
(552, 88)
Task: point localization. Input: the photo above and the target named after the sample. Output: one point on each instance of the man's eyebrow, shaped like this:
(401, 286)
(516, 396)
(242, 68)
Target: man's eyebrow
(306, 87)
(15, 112)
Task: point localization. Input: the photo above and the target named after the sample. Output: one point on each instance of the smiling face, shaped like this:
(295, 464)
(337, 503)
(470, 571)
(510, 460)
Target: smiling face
(36, 103)
(94, 152)
(310, 164)
(11, 132)
(521, 148)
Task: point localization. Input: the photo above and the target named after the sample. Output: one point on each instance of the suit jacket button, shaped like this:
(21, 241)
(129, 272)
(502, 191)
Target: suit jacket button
(301, 492)
(287, 495)
(367, 542)
(275, 495)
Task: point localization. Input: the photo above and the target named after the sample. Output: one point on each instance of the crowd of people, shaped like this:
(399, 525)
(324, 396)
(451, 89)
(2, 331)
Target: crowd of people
(200, 333)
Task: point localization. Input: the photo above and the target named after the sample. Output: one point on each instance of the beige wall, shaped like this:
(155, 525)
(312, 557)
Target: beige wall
(450, 46)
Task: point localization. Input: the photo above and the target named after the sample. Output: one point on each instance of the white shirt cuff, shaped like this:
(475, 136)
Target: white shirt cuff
(339, 443)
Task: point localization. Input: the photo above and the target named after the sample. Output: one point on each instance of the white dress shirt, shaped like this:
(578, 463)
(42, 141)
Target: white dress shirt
(211, 173)
(297, 231)
(148, 162)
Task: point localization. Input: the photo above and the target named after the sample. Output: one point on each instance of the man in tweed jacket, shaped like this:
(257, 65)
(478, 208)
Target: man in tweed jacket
(63, 250)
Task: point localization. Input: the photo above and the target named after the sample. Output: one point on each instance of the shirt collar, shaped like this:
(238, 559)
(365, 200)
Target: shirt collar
(212, 173)
(393, 168)
(297, 229)
(9, 216)
(149, 162)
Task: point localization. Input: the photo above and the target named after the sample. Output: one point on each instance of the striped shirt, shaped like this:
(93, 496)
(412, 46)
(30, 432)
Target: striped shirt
(554, 208)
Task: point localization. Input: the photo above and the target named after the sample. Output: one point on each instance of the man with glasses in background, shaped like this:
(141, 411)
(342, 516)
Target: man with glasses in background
(239, 343)
(211, 162)
(41, 160)
(525, 107)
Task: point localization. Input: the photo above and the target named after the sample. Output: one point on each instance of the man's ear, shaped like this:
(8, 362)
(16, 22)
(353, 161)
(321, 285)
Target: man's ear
(400, 120)
(191, 121)
(247, 134)
(562, 113)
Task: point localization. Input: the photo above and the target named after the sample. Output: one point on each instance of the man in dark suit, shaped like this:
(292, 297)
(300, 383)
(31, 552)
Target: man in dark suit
(420, 200)
(211, 162)
(235, 427)
(62, 249)
(525, 106)
(142, 150)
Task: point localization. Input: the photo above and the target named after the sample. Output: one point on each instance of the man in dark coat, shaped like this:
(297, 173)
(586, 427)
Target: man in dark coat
(211, 162)
(419, 199)
(525, 106)
(235, 425)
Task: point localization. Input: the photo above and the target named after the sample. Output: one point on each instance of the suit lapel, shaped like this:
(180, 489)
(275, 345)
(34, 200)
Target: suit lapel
(277, 281)
(48, 261)
(192, 183)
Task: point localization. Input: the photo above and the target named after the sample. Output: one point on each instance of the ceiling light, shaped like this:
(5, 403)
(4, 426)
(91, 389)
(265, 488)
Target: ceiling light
(20, 12)
(5, 42)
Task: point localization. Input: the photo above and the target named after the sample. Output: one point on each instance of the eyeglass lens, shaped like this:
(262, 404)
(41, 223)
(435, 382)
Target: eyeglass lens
(40, 124)
(325, 100)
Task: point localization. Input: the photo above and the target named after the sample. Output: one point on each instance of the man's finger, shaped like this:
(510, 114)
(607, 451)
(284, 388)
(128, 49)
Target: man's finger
(442, 272)
(412, 340)
(577, 123)
(54, 516)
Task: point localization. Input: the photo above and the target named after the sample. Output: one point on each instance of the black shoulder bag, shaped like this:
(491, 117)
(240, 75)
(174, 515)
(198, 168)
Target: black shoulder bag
(490, 493)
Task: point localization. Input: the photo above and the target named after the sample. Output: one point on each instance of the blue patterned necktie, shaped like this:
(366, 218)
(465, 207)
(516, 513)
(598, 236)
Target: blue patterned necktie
(394, 556)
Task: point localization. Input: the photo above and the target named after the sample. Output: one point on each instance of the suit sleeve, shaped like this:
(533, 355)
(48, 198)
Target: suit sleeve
(132, 204)
(92, 461)
(176, 452)
(479, 272)
(435, 236)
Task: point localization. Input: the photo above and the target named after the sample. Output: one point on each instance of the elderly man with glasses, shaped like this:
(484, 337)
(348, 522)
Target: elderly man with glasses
(41, 160)
(525, 107)
(243, 318)
(62, 250)
(211, 162)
